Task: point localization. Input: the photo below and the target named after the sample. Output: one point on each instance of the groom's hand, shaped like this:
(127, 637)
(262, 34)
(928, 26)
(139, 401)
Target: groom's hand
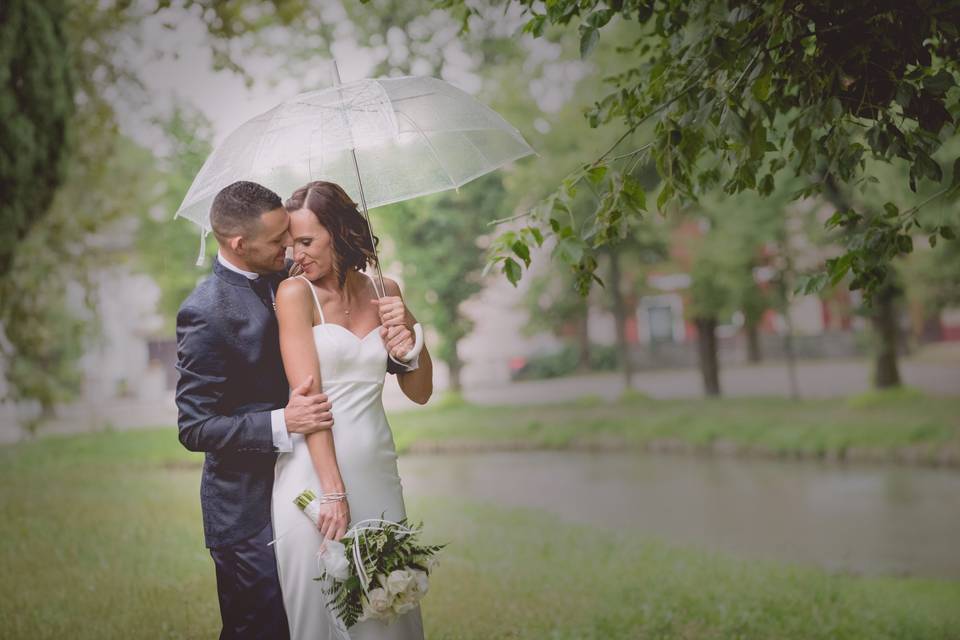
(306, 414)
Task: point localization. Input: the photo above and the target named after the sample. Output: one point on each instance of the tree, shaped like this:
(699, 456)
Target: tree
(551, 308)
(437, 243)
(36, 105)
(709, 301)
(166, 247)
(66, 172)
(761, 86)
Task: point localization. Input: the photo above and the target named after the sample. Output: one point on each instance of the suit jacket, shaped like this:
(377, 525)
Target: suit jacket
(231, 378)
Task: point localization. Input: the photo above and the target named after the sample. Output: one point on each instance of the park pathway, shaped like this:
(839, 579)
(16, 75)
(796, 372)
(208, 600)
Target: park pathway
(817, 379)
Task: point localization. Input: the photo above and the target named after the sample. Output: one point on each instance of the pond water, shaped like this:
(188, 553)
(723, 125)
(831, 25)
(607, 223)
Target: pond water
(860, 519)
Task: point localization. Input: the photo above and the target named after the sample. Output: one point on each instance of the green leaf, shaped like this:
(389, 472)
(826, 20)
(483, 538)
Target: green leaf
(801, 138)
(570, 250)
(891, 209)
(904, 244)
(956, 173)
(835, 220)
(512, 270)
(589, 36)
(633, 193)
(838, 267)
(596, 174)
(947, 233)
(761, 88)
(932, 240)
(522, 251)
(733, 125)
(537, 235)
(767, 185)
(665, 194)
(490, 265)
(534, 26)
(940, 83)
(808, 285)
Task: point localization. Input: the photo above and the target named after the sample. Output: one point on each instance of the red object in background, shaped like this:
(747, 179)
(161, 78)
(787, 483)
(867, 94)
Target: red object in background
(630, 328)
(949, 332)
(517, 362)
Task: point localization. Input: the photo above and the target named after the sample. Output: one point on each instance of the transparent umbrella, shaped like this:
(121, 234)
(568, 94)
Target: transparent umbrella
(406, 137)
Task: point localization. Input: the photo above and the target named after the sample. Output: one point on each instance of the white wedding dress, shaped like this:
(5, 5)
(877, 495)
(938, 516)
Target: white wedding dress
(352, 371)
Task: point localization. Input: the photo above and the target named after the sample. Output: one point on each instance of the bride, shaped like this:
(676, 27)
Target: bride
(337, 333)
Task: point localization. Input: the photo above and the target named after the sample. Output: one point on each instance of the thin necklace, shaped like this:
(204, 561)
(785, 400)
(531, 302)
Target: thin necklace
(346, 305)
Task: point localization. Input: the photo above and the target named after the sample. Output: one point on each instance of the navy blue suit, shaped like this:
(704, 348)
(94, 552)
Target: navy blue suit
(231, 378)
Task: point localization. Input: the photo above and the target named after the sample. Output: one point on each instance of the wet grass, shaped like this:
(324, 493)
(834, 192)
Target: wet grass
(880, 421)
(102, 539)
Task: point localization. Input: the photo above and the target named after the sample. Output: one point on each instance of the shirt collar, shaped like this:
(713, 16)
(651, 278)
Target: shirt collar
(226, 263)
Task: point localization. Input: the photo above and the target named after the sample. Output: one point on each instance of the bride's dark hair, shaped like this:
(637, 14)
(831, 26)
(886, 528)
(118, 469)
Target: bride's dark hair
(349, 235)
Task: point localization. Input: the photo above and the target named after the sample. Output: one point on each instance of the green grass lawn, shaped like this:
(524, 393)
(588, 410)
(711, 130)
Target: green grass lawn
(102, 539)
(880, 421)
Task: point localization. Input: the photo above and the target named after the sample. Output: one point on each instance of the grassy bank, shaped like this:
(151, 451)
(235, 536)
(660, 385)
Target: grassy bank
(102, 539)
(873, 424)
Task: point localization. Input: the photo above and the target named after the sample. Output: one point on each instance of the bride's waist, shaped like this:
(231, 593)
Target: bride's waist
(346, 387)
(351, 382)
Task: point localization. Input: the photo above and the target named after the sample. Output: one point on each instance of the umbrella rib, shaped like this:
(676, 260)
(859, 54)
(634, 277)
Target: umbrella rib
(472, 144)
(433, 150)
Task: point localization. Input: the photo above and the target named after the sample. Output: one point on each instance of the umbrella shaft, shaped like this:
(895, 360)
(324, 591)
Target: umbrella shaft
(363, 200)
(366, 215)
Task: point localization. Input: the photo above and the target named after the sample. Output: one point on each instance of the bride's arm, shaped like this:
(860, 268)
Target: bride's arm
(417, 384)
(295, 319)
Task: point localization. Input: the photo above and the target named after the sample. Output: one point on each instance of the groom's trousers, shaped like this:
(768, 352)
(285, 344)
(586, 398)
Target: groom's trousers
(251, 604)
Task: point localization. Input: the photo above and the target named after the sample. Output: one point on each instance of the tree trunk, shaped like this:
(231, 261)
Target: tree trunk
(884, 318)
(620, 319)
(455, 366)
(791, 358)
(752, 328)
(707, 350)
(583, 339)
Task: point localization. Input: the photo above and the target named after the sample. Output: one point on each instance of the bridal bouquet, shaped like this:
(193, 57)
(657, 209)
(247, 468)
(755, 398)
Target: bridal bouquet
(378, 571)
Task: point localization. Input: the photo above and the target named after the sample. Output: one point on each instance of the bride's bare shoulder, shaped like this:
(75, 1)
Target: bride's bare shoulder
(391, 287)
(294, 293)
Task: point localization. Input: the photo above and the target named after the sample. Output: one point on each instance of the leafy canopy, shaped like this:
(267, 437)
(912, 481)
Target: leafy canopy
(740, 89)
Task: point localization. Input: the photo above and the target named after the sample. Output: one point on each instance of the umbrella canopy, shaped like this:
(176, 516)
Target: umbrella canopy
(411, 136)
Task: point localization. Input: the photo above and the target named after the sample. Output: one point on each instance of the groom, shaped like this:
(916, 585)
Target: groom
(234, 404)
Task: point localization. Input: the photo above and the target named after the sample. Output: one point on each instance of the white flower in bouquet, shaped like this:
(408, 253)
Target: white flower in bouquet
(420, 583)
(398, 581)
(374, 552)
(379, 601)
(334, 559)
(404, 602)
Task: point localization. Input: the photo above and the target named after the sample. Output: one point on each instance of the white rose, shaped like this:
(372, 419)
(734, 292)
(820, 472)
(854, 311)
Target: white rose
(404, 603)
(398, 581)
(420, 583)
(335, 560)
(379, 601)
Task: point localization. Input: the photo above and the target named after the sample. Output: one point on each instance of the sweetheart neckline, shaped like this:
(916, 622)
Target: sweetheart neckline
(355, 336)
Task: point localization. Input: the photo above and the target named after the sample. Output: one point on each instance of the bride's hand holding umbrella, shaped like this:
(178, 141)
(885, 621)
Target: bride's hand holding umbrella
(397, 321)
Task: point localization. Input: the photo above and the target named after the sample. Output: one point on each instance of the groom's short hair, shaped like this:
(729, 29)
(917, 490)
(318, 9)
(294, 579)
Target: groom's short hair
(237, 208)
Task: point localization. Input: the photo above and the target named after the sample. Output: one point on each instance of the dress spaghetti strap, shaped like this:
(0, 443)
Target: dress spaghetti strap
(373, 283)
(315, 298)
